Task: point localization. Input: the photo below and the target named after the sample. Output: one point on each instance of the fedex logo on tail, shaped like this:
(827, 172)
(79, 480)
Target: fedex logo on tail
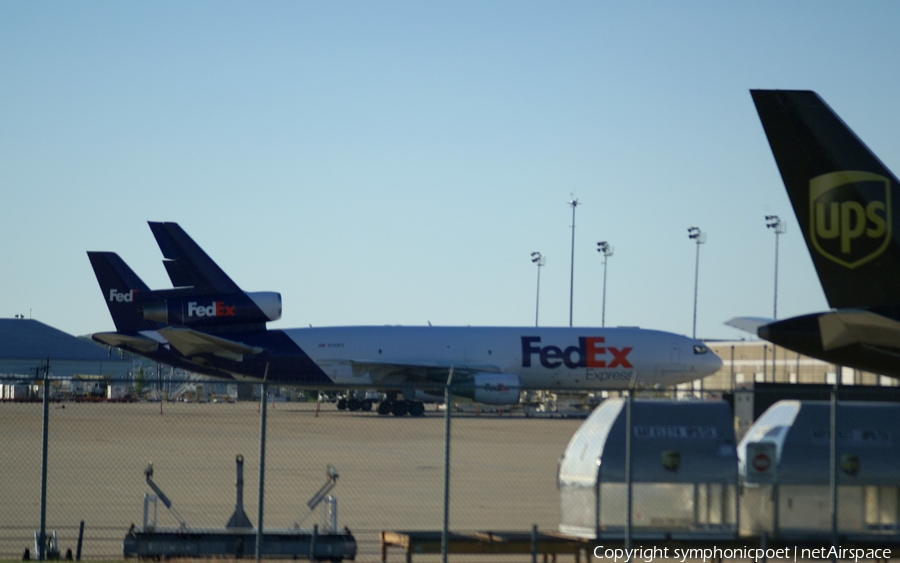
(122, 297)
(216, 309)
(588, 354)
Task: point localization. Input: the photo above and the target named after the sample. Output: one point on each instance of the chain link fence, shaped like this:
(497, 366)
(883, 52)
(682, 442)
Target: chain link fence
(503, 476)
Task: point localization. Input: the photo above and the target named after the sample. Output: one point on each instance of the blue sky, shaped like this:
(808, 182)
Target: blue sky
(397, 163)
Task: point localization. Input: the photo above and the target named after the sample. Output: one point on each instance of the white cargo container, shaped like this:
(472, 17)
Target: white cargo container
(684, 472)
(118, 391)
(16, 392)
(796, 500)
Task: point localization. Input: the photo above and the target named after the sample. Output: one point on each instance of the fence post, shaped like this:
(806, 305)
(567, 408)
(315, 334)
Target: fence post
(832, 469)
(262, 463)
(42, 548)
(445, 532)
(534, 543)
(628, 483)
(80, 539)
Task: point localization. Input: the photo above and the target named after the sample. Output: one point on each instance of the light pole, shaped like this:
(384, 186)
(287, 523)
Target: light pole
(779, 227)
(698, 236)
(574, 203)
(775, 223)
(540, 261)
(606, 250)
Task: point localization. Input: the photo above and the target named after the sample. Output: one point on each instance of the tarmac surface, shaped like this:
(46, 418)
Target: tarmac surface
(503, 470)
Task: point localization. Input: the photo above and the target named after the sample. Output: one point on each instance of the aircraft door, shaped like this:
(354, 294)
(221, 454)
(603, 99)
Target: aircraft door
(675, 355)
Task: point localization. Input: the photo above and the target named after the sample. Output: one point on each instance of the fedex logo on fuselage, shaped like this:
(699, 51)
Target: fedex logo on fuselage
(588, 354)
(216, 309)
(121, 297)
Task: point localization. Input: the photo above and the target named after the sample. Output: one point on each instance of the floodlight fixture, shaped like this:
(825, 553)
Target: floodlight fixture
(606, 250)
(539, 260)
(698, 236)
(574, 203)
(779, 227)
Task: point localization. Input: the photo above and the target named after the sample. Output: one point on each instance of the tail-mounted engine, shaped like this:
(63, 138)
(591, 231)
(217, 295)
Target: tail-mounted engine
(217, 310)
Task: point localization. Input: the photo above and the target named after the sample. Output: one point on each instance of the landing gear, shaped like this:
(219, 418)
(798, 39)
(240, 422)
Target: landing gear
(389, 405)
(416, 408)
(354, 403)
(400, 407)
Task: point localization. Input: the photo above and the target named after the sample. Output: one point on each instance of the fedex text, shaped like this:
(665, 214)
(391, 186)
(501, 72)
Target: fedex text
(216, 309)
(121, 297)
(589, 353)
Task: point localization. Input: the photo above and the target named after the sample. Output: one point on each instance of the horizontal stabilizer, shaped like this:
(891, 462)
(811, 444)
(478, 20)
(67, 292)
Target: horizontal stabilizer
(843, 328)
(134, 342)
(194, 343)
(749, 324)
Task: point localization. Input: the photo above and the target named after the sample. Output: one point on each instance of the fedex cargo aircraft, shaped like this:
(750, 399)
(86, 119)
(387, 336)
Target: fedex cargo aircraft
(208, 325)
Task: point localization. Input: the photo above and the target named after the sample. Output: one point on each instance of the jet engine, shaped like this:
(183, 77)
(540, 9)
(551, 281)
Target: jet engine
(492, 388)
(217, 310)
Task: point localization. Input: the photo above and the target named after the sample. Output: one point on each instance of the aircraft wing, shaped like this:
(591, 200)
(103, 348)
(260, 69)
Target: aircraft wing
(394, 372)
(193, 343)
(187, 264)
(134, 342)
(749, 324)
(842, 328)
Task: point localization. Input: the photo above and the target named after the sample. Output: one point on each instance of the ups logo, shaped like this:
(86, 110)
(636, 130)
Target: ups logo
(850, 216)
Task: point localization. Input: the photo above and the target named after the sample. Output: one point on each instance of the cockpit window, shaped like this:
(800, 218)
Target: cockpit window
(700, 349)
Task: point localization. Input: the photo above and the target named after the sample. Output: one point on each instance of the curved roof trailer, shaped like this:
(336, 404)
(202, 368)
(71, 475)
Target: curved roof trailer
(683, 479)
(785, 465)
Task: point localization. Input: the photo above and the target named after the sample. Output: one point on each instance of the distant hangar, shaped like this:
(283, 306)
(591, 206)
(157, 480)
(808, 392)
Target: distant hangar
(26, 345)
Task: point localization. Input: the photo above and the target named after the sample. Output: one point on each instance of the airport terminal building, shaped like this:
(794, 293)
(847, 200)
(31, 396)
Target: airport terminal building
(745, 362)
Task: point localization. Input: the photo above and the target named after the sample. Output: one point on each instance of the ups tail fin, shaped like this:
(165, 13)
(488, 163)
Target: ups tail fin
(122, 290)
(846, 201)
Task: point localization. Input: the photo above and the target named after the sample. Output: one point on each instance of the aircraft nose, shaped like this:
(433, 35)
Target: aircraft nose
(715, 362)
(706, 361)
